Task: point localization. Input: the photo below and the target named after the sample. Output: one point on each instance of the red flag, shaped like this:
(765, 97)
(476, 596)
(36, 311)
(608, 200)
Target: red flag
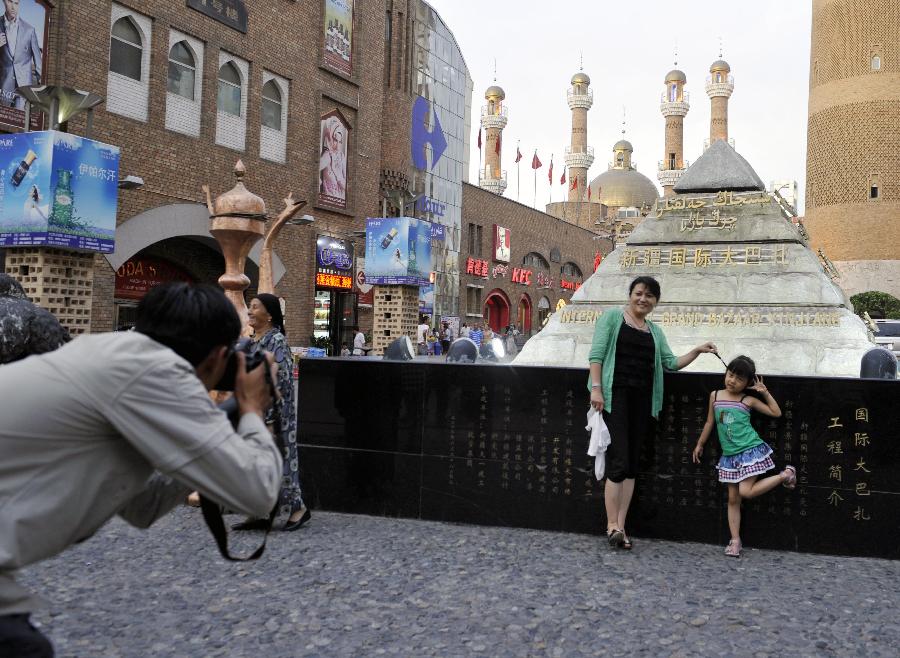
(518, 154)
(550, 173)
(575, 183)
(589, 192)
(497, 146)
(535, 163)
(598, 258)
(562, 179)
(479, 139)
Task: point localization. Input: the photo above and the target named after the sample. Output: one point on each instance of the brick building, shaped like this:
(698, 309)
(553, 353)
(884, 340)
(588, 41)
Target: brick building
(520, 274)
(312, 101)
(853, 141)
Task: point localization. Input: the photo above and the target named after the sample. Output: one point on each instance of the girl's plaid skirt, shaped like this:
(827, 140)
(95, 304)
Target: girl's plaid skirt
(749, 463)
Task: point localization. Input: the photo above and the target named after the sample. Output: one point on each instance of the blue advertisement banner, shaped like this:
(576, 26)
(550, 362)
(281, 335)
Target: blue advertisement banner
(426, 299)
(58, 190)
(398, 251)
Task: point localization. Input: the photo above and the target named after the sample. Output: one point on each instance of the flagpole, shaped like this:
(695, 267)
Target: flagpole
(535, 179)
(518, 170)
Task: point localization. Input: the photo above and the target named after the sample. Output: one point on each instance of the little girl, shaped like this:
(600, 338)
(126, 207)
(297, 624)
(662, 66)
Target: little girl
(745, 456)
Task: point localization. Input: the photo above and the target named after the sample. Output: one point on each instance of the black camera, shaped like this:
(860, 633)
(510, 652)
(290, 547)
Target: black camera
(253, 359)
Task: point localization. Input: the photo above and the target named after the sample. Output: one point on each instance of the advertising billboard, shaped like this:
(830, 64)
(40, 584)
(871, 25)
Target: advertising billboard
(426, 299)
(58, 190)
(334, 134)
(398, 251)
(338, 26)
(23, 30)
(334, 263)
(501, 244)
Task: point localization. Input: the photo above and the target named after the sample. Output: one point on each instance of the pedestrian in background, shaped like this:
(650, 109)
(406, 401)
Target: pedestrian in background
(464, 331)
(446, 337)
(359, 342)
(627, 359)
(476, 335)
(422, 336)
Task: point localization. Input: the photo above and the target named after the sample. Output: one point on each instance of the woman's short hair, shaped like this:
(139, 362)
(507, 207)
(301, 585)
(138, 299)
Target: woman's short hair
(743, 366)
(191, 320)
(649, 282)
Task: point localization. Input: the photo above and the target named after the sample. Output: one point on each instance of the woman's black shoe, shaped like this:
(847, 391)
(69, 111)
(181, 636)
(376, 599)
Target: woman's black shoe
(255, 524)
(296, 525)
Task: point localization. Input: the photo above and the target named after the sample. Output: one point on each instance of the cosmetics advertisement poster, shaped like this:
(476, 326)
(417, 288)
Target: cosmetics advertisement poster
(58, 190)
(398, 251)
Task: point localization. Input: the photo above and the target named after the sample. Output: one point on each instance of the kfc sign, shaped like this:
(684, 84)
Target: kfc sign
(520, 275)
(569, 285)
(477, 267)
(501, 244)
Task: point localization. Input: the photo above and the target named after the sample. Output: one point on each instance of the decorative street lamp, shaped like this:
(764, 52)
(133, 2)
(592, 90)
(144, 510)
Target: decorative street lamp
(60, 103)
(291, 207)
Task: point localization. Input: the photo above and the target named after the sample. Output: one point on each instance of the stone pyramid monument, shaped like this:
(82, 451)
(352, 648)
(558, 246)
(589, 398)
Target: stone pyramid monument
(732, 270)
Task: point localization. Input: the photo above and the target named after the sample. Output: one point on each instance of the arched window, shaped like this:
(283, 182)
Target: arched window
(271, 105)
(571, 270)
(876, 63)
(673, 92)
(534, 259)
(182, 69)
(620, 159)
(126, 49)
(718, 77)
(229, 98)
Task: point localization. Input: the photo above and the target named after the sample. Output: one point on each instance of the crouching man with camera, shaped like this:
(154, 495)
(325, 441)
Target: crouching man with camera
(121, 423)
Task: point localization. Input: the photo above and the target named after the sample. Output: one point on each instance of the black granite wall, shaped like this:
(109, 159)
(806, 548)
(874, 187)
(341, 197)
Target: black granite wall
(504, 445)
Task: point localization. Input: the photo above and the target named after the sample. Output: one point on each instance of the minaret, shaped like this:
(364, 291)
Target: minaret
(579, 155)
(493, 121)
(719, 87)
(674, 105)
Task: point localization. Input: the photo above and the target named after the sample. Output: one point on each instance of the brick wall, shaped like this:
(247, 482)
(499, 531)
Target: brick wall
(531, 231)
(281, 37)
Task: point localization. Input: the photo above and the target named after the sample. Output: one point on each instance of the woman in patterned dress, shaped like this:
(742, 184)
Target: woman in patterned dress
(267, 322)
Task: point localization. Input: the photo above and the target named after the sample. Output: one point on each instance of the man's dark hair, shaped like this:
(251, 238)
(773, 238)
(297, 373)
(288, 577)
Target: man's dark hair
(649, 282)
(743, 366)
(191, 320)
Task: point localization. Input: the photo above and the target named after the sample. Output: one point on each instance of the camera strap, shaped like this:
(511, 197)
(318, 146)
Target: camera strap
(212, 514)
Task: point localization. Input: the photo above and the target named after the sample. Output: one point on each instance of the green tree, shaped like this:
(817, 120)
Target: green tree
(877, 304)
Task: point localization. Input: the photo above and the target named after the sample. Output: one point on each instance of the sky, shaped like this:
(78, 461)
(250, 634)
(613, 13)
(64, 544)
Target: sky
(627, 49)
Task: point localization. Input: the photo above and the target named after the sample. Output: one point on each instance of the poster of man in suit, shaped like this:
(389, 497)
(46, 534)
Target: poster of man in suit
(21, 50)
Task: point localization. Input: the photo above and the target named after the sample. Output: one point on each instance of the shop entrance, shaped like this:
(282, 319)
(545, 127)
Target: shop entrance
(496, 310)
(523, 315)
(543, 311)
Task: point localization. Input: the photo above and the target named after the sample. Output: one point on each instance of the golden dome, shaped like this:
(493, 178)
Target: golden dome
(624, 188)
(676, 76)
(494, 93)
(623, 145)
(581, 78)
(720, 65)
(239, 201)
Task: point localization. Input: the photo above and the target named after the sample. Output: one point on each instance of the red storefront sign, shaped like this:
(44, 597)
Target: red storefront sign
(477, 267)
(569, 285)
(136, 276)
(520, 275)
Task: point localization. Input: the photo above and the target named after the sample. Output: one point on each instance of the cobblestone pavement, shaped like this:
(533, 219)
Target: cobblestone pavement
(349, 585)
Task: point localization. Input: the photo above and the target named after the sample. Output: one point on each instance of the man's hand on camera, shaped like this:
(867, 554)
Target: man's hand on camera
(251, 389)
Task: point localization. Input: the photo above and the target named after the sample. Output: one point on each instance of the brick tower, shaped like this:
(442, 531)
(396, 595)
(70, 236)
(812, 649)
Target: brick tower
(719, 87)
(493, 121)
(674, 105)
(853, 141)
(579, 156)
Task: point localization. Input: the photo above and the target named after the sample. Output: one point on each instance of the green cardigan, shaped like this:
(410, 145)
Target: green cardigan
(603, 351)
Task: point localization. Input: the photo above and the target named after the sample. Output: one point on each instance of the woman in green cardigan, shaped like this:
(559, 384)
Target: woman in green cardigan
(627, 359)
